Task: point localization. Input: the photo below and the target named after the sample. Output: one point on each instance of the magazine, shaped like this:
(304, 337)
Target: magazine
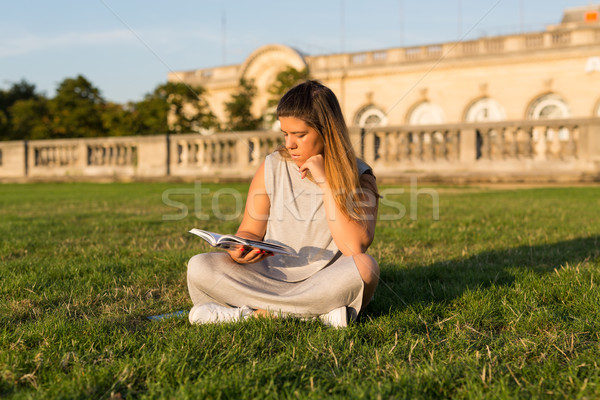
(232, 241)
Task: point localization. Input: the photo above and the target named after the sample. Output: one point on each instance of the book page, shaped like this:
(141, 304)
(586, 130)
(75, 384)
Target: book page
(233, 241)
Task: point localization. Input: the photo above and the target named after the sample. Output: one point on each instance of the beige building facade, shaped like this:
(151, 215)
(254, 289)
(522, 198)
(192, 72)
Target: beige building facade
(541, 75)
(516, 108)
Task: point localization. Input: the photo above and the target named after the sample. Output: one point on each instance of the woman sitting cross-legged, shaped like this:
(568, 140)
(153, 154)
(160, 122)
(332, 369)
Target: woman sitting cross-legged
(313, 195)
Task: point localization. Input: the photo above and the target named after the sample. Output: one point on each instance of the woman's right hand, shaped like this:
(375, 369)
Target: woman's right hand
(247, 254)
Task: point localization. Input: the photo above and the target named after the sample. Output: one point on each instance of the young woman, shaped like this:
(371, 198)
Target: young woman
(313, 195)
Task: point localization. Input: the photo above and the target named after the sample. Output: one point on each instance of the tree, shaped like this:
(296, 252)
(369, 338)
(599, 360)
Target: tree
(119, 120)
(5, 131)
(18, 91)
(238, 109)
(30, 119)
(188, 110)
(150, 115)
(79, 110)
(76, 110)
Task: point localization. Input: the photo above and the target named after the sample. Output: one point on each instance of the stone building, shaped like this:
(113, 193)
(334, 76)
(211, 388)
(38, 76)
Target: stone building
(515, 108)
(527, 76)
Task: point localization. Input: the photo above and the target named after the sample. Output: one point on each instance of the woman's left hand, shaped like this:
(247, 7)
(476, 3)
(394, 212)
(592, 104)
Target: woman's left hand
(316, 166)
(247, 254)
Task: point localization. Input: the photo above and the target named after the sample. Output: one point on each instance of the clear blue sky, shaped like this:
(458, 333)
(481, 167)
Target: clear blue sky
(127, 47)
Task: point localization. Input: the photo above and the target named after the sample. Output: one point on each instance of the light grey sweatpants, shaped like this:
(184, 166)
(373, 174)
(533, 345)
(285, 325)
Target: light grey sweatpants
(216, 278)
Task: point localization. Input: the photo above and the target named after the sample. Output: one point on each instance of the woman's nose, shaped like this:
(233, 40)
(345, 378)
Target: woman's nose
(290, 142)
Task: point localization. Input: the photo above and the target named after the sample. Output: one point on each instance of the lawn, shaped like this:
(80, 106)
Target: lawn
(497, 298)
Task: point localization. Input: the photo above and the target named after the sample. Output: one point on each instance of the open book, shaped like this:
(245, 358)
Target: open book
(232, 241)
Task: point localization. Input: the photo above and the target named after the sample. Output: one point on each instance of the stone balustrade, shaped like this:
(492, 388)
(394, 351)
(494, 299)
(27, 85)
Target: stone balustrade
(222, 155)
(480, 47)
(514, 150)
(557, 37)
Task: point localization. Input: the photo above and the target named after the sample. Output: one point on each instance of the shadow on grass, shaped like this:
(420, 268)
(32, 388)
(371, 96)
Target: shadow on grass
(446, 280)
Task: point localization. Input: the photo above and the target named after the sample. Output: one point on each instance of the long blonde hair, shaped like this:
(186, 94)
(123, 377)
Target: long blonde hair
(318, 107)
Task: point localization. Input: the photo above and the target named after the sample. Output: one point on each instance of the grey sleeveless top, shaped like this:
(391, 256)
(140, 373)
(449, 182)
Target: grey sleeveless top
(297, 218)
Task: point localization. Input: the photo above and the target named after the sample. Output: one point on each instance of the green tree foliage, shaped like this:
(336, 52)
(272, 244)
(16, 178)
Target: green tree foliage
(31, 119)
(119, 120)
(76, 110)
(238, 109)
(79, 110)
(189, 111)
(19, 91)
(150, 115)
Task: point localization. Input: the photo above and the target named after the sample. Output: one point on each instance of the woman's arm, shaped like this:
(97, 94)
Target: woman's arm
(351, 237)
(254, 222)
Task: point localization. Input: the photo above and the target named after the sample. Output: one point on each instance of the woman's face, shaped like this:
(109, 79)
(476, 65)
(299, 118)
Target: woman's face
(301, 140)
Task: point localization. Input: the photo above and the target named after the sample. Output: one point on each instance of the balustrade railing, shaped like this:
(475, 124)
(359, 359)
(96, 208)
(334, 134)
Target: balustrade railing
(506, 145)
(570, 145)
(221, 154)
(103, 154)
(540, 142)
(448, 50)
(413, 144)
(54, 155)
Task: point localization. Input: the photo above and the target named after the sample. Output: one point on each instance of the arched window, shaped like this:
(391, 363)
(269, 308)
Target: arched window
(485, 109)
(550, 106)
(427, 113)
(370, 116)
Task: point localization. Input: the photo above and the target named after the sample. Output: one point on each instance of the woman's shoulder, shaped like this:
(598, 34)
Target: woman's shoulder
(366, 177)
(363, 168)
(275, 157)
(272, 159)
(274, 166)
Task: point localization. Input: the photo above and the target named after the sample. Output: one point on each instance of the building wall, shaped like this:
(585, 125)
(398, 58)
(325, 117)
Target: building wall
(513, 71)
(512, 82)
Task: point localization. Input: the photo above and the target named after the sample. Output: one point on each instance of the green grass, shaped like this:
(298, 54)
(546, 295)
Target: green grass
(499, 298)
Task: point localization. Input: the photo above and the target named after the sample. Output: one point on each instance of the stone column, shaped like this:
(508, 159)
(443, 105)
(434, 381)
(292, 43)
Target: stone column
(81, 154)
(13, 159)
(468, 145)
(541, 146)
(242, 145)
(355, 139)
(589, 142)
(369, 147)
(152, 156)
